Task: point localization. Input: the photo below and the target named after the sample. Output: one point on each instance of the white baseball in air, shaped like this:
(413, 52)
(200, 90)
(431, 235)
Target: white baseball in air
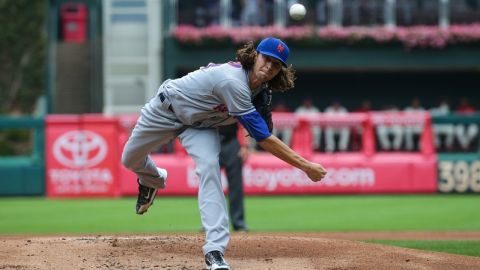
(297, 11)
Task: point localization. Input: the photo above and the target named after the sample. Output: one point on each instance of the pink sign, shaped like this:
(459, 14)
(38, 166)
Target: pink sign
(347, 173)
(81, 155)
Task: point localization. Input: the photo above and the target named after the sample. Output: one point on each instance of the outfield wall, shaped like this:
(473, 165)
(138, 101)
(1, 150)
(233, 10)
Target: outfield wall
(458, 170)
(82, 157)
(23, 175)
(83, 154)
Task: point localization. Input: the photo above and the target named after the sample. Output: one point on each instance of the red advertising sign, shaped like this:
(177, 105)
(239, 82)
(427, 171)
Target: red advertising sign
(347, 173)
(83, 159)
(81, 156)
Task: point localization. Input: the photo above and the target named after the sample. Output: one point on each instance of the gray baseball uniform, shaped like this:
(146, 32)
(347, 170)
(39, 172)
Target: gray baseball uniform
(190, 108)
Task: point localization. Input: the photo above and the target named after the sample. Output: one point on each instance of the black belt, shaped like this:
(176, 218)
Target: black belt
(162, 99)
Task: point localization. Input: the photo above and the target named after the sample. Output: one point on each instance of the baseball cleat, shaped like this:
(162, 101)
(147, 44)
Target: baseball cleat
(146, 195)
(214, 261)
(145, 198)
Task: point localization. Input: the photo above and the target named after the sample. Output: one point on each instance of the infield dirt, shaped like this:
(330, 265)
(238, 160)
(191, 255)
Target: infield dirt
(246, 251)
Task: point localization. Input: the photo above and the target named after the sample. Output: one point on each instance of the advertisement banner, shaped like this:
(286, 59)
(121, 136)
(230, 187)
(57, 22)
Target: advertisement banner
(81, 156)
(347, 173)
(83, 159)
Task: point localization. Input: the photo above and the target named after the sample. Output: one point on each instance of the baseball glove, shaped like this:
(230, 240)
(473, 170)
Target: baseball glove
(263, 104)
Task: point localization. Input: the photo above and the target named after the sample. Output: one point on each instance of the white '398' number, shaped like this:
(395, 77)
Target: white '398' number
(459, 176)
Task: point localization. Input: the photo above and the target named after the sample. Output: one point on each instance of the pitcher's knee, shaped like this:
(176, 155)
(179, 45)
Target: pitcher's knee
(210, 164)
(127, 161)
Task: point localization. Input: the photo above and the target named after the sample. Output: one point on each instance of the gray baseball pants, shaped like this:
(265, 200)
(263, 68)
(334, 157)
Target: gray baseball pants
(203, 146)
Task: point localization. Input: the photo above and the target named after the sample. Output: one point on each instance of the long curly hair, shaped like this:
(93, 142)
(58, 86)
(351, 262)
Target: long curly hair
(282, 82)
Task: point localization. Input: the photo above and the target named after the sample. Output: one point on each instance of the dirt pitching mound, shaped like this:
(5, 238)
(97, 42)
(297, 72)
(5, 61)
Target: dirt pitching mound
(246, 251)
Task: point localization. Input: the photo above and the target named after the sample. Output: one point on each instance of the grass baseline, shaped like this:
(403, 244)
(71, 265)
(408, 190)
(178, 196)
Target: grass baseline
(461, 247)
(321, 213)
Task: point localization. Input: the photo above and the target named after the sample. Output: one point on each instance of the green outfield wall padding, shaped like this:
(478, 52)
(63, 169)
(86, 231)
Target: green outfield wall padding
(24, 175)
(22, 179)
(459, 172)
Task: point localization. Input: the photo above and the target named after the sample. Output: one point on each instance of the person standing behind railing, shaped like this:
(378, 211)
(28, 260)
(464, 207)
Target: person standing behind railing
(307, 108)
(384, 131)
(447, 130)
(207, 12)
(413, 131)
(465, 107)
(465, 134)
(253, 12)
(284, 133)
(330, 132)
(357, 132)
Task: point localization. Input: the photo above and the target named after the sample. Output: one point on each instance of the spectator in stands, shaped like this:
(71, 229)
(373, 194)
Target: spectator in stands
(365, 106)
(443, 130)
(284, 133)
(15, 109)
(321, 12)
(442, 108)
(415, 106)
(371, 9)
(308, 109)
(465, 132)
(412, 132)
(406, 10)
(464, 106)
(356, 138)
(352, 11)
(384, 132)
(280, 106)
(188, 14)
(207, 12)
(330, 132)
(40, 108)
(253, 12)
(390, 108)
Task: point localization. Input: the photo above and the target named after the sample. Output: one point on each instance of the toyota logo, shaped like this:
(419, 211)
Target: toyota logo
(80, 149)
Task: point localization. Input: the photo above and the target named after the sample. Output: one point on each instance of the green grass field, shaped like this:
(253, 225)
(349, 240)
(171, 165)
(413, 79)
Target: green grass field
(37, 216)
(471, 248)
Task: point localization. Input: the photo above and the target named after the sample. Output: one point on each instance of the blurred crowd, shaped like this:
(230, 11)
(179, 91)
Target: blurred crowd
(448, 137)
(354, 12)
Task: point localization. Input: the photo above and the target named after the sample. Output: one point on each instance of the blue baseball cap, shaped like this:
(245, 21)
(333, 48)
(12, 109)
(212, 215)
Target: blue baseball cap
(274, 47)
